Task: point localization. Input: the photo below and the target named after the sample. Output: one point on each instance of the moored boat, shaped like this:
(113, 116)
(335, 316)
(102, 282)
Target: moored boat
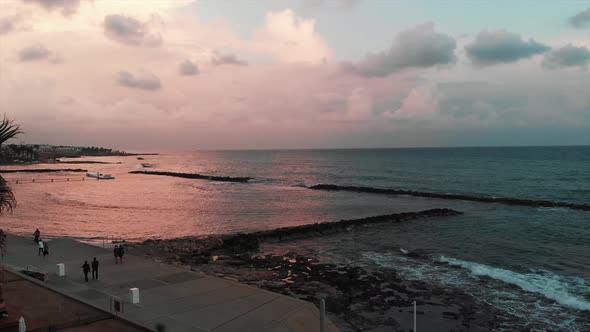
(99, 176)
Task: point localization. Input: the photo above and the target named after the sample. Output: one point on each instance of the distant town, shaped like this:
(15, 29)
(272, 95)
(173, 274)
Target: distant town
(34, 153)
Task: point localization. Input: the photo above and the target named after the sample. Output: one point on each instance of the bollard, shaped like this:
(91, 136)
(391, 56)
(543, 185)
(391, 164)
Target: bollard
(22, 326)
(134, 295)
(61, 269)
(322, 315)
(414, 316)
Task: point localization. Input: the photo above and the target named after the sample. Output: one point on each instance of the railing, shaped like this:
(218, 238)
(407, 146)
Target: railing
(112, 240)
(22, 181)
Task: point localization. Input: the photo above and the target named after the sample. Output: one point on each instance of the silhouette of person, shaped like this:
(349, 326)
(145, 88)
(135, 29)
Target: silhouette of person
(94, 269)
(121, 253)
(86, 269)
(116, 253)
(41, 246)
(37, 235)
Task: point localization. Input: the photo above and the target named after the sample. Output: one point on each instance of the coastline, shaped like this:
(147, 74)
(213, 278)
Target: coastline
(357, 298)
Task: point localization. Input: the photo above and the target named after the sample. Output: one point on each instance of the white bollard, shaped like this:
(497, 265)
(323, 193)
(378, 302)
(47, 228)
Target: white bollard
(61, 269)
(134, 295)
(22, 326)
(322, 315)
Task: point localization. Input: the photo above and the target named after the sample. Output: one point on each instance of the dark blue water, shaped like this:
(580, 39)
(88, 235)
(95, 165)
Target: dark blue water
(552, 173)
(533, 263)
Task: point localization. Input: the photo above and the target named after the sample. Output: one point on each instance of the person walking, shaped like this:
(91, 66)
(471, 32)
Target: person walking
(41, 246)
(94, 269)
(116, 253)
(45, 250)
(37, 235)
(121, 253)
(86, 269)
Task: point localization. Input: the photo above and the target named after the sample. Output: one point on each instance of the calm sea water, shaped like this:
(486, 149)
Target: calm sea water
(531, 262)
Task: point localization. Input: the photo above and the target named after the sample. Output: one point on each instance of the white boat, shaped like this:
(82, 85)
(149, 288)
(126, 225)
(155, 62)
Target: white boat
(99, 176)
(146, 165)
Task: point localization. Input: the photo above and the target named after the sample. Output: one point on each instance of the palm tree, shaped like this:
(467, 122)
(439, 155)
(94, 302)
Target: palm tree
(7, 199)
(8, 130)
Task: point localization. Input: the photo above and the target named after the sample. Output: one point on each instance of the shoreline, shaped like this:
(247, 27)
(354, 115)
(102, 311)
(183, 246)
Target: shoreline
(357, 298)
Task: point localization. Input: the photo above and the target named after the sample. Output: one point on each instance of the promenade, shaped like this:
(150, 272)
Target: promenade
(181, 300)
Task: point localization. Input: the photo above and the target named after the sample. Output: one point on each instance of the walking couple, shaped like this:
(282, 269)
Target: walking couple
(86, 269)
(119, 252)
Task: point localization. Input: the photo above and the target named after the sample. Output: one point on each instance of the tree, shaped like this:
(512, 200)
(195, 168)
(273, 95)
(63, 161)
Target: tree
(7, 199)
(8, 130)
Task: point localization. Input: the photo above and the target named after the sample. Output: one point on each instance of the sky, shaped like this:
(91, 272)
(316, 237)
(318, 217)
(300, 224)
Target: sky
(268, 74)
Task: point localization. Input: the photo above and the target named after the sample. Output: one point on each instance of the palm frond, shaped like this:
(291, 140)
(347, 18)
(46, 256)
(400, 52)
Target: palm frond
(7, 199)
(8, 129)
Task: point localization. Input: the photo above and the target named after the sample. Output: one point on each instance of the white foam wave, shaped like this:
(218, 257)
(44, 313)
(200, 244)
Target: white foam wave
(550, 285)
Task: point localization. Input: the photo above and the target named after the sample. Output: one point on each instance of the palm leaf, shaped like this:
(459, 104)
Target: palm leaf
(7, 199)
(8, 129)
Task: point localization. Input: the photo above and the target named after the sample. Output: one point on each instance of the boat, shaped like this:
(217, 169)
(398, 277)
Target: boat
(99, 176)
(139, 158)
(147, 165)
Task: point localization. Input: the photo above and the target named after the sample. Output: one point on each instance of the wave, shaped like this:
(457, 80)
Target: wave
(484, 199)
(550, 285)
(541, 313)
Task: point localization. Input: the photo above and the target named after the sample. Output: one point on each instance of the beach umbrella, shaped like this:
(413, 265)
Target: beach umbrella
(22, 327)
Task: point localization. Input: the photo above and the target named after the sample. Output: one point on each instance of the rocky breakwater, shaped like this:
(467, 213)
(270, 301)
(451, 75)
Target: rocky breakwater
(195, 176)
(200, 250)
(319, 229)
(501, 200)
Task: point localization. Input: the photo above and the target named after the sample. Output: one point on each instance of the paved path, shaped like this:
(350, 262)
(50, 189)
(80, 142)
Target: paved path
(180, 299)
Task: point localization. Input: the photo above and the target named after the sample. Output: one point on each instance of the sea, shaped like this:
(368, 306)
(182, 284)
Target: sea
(529, 262)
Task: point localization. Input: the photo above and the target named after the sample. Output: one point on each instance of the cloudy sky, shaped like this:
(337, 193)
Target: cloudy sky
(220, 74)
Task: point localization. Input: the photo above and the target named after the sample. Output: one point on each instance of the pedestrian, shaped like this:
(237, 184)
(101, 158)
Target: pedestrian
(41, 246)
(94, 269)
(45, 250)
(36, 235)
(121, 253)
(86, 269)
(116, 253)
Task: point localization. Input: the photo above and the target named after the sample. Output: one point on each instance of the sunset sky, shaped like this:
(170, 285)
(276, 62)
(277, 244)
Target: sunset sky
(215, 74)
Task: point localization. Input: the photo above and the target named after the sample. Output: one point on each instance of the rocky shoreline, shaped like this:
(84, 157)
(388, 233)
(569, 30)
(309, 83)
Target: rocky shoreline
(357, 298)
(195, 176)
(501, 200)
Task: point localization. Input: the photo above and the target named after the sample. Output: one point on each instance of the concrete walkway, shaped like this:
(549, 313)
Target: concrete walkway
(179, 299)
